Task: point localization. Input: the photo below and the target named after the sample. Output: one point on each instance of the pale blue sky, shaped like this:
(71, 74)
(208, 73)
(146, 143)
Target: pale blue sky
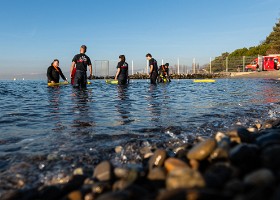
(34, 32)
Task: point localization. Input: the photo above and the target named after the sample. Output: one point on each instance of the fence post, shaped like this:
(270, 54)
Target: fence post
(178, 67)
(132, 68)
(226, 64)
(243, 63)
(210, 70)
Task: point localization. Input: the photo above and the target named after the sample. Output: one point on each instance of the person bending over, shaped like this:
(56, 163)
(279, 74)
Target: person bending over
(54, 72)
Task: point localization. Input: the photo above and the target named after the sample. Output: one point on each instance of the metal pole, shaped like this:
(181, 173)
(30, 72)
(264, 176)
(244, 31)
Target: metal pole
(243, 63)
(210, 70)
(108, 68)
(95, 68)
(178, 67)
(226, 64)
(132, 68)
(193, 65)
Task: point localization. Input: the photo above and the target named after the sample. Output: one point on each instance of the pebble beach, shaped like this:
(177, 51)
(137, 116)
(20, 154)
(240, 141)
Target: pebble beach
(239, 164)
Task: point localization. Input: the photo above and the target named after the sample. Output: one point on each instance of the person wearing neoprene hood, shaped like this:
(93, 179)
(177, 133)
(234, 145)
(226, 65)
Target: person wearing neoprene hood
(153, 68)
(54, 72)
(80, 62)
(122, 71)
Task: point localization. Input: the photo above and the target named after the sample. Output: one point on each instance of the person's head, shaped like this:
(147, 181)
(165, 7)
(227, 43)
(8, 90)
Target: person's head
(122, 58)
(83, 49)
(55, 63)
(149, 56)
(166, 65)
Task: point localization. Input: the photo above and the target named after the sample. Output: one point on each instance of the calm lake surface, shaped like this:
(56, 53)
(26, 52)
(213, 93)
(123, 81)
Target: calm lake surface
(47, 132)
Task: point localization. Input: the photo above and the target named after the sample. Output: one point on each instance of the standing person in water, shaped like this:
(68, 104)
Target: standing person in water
(54, 72)
(122, 71)
(153, 68)
(80, 63)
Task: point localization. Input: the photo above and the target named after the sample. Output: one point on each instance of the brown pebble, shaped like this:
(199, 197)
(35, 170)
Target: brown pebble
(202, 150)
(75, 195)
(173, 163)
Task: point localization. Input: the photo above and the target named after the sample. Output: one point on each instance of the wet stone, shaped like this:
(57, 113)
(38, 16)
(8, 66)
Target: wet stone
(157, 160)
(184, 178)
(174, 163)
(270, 157)
(271, 123)
(202, 150)
(222, 150)
(261, 177)
(217, 175)
(103, 171)
(101, 187)
(241, 135)
(235, 186)
(75, 195)
(245, 157)
(271, 138)
(118, 149)
(157, 174)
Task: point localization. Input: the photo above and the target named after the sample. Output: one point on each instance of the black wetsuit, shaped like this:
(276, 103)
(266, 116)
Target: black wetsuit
(82, 61)
(154, 73)
(123, 75)
(53, 75)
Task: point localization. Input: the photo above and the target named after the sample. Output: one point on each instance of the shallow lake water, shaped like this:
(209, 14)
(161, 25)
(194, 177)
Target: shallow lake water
(47, 132)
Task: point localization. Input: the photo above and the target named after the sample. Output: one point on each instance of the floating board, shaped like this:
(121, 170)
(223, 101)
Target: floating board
(57, 84)
(110, 81)
(204, 81)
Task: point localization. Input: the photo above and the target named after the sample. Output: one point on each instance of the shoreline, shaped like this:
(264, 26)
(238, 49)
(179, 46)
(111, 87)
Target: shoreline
(240, 163)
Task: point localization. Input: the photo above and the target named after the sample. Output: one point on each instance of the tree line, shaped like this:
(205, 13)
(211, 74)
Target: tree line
(271, 45)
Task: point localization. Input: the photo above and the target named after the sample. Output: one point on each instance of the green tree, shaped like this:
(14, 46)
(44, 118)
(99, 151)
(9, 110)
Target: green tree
(273, 40)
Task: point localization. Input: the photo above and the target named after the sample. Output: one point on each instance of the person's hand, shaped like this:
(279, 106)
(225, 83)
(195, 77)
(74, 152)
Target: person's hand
(90, 77)
(52, 81)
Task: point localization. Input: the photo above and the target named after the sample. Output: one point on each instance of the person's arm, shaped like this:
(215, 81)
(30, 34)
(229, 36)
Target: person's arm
(117, 73)
(62, 75)
(90, 70)
(71, 69)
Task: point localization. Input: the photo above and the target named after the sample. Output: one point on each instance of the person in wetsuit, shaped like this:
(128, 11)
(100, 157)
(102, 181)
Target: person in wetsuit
(80, 62)
(153, 68)
(122, 71)
(54, 72)
(161, 74)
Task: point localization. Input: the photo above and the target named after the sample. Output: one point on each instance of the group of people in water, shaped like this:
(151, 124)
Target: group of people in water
(81, 62)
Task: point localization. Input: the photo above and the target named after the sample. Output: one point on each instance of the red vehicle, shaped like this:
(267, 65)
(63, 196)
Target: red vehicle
(268, 63)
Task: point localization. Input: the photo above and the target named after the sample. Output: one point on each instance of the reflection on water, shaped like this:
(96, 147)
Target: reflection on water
(123, 104)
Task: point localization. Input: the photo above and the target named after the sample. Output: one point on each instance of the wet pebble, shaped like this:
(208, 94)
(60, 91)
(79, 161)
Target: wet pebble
(184, 178)
(245, 157)
(173, 163)
(202, 150)
(271, 123)
(270, 138)
(261, 177)
(103, 171)
(270, 157)
(158, 158)
(241, 135)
